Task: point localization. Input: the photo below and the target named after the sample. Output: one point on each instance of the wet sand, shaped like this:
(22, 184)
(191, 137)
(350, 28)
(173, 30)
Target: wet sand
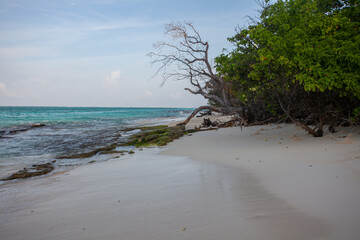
(226, 184)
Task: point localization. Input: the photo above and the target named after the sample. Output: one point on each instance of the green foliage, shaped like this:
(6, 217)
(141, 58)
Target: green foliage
(320, 51)
(301, 49)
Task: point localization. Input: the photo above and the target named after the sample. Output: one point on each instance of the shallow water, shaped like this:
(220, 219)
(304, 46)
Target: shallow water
(67, 131)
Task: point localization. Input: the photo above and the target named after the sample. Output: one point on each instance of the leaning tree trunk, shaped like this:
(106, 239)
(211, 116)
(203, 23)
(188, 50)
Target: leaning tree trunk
(189, 54)
(299, 123)
(198, 110)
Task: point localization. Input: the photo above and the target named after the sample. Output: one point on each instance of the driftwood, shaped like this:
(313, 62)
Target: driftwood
(187, 120)
(268, 120)
(207, 113)
(236, 121)
(231, 123)
(208, 123)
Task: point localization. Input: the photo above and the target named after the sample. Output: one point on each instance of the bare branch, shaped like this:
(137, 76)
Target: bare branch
(185, 57)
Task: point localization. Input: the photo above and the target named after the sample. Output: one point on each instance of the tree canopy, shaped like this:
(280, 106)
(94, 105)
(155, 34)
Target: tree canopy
(302, 58)
(298, 61)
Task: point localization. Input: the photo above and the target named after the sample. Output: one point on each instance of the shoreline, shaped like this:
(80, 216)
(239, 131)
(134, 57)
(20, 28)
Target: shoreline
(32, 137)
(47, 168)
(227, 184)
(27, 171)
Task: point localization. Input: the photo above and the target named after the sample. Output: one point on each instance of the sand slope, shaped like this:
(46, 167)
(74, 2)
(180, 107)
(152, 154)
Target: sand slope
(318, 176)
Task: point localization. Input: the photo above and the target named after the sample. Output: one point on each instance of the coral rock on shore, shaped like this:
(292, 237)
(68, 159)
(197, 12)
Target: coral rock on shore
(35, 170)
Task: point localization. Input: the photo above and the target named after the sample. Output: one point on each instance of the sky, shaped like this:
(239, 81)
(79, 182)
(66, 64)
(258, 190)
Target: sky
(94, 52)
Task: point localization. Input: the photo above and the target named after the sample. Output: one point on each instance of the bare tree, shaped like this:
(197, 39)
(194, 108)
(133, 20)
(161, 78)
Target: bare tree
(186, 57)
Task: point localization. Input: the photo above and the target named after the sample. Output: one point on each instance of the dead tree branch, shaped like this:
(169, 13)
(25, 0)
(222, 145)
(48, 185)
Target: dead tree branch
(196, 111)
(186, 57)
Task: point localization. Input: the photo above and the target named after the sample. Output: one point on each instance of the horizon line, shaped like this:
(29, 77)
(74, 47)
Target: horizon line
(89, 106)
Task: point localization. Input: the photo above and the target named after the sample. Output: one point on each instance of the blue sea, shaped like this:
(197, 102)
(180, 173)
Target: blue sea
(33, 135)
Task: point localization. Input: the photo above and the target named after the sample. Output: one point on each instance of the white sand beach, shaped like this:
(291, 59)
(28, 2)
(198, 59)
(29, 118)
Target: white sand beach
(264, 182)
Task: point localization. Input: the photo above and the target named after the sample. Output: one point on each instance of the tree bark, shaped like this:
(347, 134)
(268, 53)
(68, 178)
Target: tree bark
(298, 123)
(187, 120)
(186, 58)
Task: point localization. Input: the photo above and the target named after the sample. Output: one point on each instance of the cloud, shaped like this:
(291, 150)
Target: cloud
(2, 87)
(147, 93)
(113, 79)
(4, 91)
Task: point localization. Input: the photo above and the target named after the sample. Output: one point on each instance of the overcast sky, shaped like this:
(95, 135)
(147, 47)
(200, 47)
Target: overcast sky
(93, 52)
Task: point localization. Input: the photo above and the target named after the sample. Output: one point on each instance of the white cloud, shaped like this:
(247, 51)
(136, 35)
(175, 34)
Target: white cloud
(4, 91)
(113, 79)
(2, 87)
(147, 93)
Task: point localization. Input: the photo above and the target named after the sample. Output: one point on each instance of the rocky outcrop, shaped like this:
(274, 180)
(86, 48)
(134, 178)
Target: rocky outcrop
(35, 170)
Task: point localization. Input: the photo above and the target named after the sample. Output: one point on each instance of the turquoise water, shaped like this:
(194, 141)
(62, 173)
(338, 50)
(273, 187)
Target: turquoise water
(18, 116)
(67, 131)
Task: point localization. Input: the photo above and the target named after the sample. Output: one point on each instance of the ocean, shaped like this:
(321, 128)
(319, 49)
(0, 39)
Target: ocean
(36, 135)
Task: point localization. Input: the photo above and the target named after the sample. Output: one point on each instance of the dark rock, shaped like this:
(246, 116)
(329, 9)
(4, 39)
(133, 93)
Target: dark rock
(3, 137)
(35, 170)
(12, 132)
(89, 154)
(111, 152)
(16, 131)
(38, 125)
